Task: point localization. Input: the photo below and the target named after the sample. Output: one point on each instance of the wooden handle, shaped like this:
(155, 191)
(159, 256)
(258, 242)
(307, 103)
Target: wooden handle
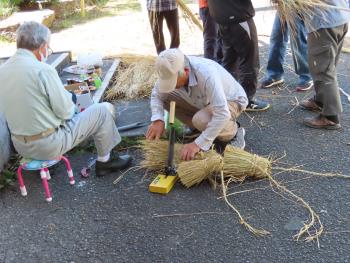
(172, 112)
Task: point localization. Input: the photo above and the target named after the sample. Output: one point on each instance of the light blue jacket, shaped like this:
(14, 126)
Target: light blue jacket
(328, 17)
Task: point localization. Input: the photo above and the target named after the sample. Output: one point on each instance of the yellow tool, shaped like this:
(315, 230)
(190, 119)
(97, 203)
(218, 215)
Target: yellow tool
(162, 184)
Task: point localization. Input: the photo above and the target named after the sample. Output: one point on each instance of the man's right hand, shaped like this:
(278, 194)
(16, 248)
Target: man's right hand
(155, 130)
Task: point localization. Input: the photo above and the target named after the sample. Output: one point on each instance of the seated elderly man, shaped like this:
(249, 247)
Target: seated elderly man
(207, 98)
(40, 112)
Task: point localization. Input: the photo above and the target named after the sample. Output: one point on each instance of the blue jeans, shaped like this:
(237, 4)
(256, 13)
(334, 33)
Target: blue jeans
(212, 40)
(278, 47)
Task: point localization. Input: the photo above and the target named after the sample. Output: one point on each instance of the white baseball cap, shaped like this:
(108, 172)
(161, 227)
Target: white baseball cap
(168, 65)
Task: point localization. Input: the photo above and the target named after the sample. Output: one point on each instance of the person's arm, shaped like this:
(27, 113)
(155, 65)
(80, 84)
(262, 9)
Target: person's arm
(156, 129)
(60, 99)
(221, 113)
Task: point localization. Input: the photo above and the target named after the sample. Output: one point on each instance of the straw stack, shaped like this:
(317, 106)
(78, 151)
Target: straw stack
(135, 79)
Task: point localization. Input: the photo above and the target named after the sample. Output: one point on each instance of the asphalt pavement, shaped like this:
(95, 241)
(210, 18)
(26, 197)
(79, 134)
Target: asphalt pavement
(97, 221)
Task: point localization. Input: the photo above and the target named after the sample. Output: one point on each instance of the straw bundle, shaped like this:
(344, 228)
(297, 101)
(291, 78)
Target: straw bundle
(194, 172)
(289, 10)
(135, 79)
(188, 15)
(240, 164)
(237, 164)
(156, 154)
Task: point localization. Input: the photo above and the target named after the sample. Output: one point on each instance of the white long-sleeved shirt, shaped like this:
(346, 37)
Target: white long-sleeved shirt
(32, 96)
(209, 84)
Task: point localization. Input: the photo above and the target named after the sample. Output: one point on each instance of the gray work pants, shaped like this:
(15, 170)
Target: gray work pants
(96, 121)
(324, 47)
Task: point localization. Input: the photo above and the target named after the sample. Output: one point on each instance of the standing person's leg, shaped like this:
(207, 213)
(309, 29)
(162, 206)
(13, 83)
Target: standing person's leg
(299, 53)
(172, 21)
(248, 51)
(277, 53)
(218, 52)
(229, 59)
(156, 22)
(324, 49)
(209, 33)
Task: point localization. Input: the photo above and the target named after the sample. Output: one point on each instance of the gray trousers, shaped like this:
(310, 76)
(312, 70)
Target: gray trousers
(324, 48)
(96, 121)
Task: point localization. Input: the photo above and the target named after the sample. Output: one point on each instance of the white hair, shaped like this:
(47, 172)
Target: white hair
(31, 35)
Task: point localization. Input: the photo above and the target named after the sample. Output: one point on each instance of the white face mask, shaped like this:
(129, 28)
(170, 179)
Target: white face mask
(42, 57)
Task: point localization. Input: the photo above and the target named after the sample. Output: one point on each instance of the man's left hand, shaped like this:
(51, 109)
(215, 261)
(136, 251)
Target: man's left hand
(189, 151)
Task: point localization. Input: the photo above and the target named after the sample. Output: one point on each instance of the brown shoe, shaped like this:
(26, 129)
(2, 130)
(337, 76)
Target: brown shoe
(310, 105)
(321, 122)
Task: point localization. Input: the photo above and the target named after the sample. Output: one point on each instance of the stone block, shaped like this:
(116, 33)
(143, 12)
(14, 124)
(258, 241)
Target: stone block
(9, 25)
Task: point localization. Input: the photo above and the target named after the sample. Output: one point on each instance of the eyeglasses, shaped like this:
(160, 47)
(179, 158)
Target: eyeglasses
(49, 51)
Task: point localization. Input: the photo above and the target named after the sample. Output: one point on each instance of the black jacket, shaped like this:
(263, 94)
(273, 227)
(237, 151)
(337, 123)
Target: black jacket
(231, 11)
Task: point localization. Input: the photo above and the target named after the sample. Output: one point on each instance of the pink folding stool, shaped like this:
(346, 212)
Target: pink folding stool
(42, 165)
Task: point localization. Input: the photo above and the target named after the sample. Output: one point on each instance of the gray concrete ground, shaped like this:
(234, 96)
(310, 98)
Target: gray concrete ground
(96, 221)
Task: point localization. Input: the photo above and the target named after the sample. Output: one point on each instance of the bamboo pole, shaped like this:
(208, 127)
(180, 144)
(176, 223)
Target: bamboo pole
(82, 8)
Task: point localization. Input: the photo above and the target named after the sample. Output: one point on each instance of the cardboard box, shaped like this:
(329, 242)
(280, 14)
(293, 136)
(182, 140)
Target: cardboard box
(84, 97)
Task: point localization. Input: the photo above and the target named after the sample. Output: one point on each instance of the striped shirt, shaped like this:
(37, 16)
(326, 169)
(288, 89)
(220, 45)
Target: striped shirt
(161, 5)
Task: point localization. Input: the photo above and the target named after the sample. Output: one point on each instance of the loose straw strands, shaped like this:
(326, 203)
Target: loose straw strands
(188, 15)
(235, 166)
(255, 231)
(135, 80)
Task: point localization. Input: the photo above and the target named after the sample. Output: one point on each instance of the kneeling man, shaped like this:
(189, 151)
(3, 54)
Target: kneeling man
(40, 112)
(207, 98)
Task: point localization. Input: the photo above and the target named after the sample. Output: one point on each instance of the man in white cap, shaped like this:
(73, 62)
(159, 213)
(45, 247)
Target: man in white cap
(207, 98)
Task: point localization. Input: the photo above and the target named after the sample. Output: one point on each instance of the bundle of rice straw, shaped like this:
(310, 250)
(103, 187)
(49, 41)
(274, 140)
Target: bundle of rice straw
(289, 10)
(236, 164)
(188, 15)
(194, 172)
(240, 164)
(135, 80)
(156, 154)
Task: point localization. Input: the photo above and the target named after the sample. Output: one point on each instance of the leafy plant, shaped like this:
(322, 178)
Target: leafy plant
(7, 178)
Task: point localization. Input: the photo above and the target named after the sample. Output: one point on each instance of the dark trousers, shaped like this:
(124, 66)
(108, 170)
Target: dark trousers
(212, 40)
(324, 48)
(172, 21)
(241, 54)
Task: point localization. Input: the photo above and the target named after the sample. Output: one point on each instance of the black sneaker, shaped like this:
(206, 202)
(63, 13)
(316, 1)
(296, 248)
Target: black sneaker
(257, 105)
(220, 146)
(114, 164)
(270, 83)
